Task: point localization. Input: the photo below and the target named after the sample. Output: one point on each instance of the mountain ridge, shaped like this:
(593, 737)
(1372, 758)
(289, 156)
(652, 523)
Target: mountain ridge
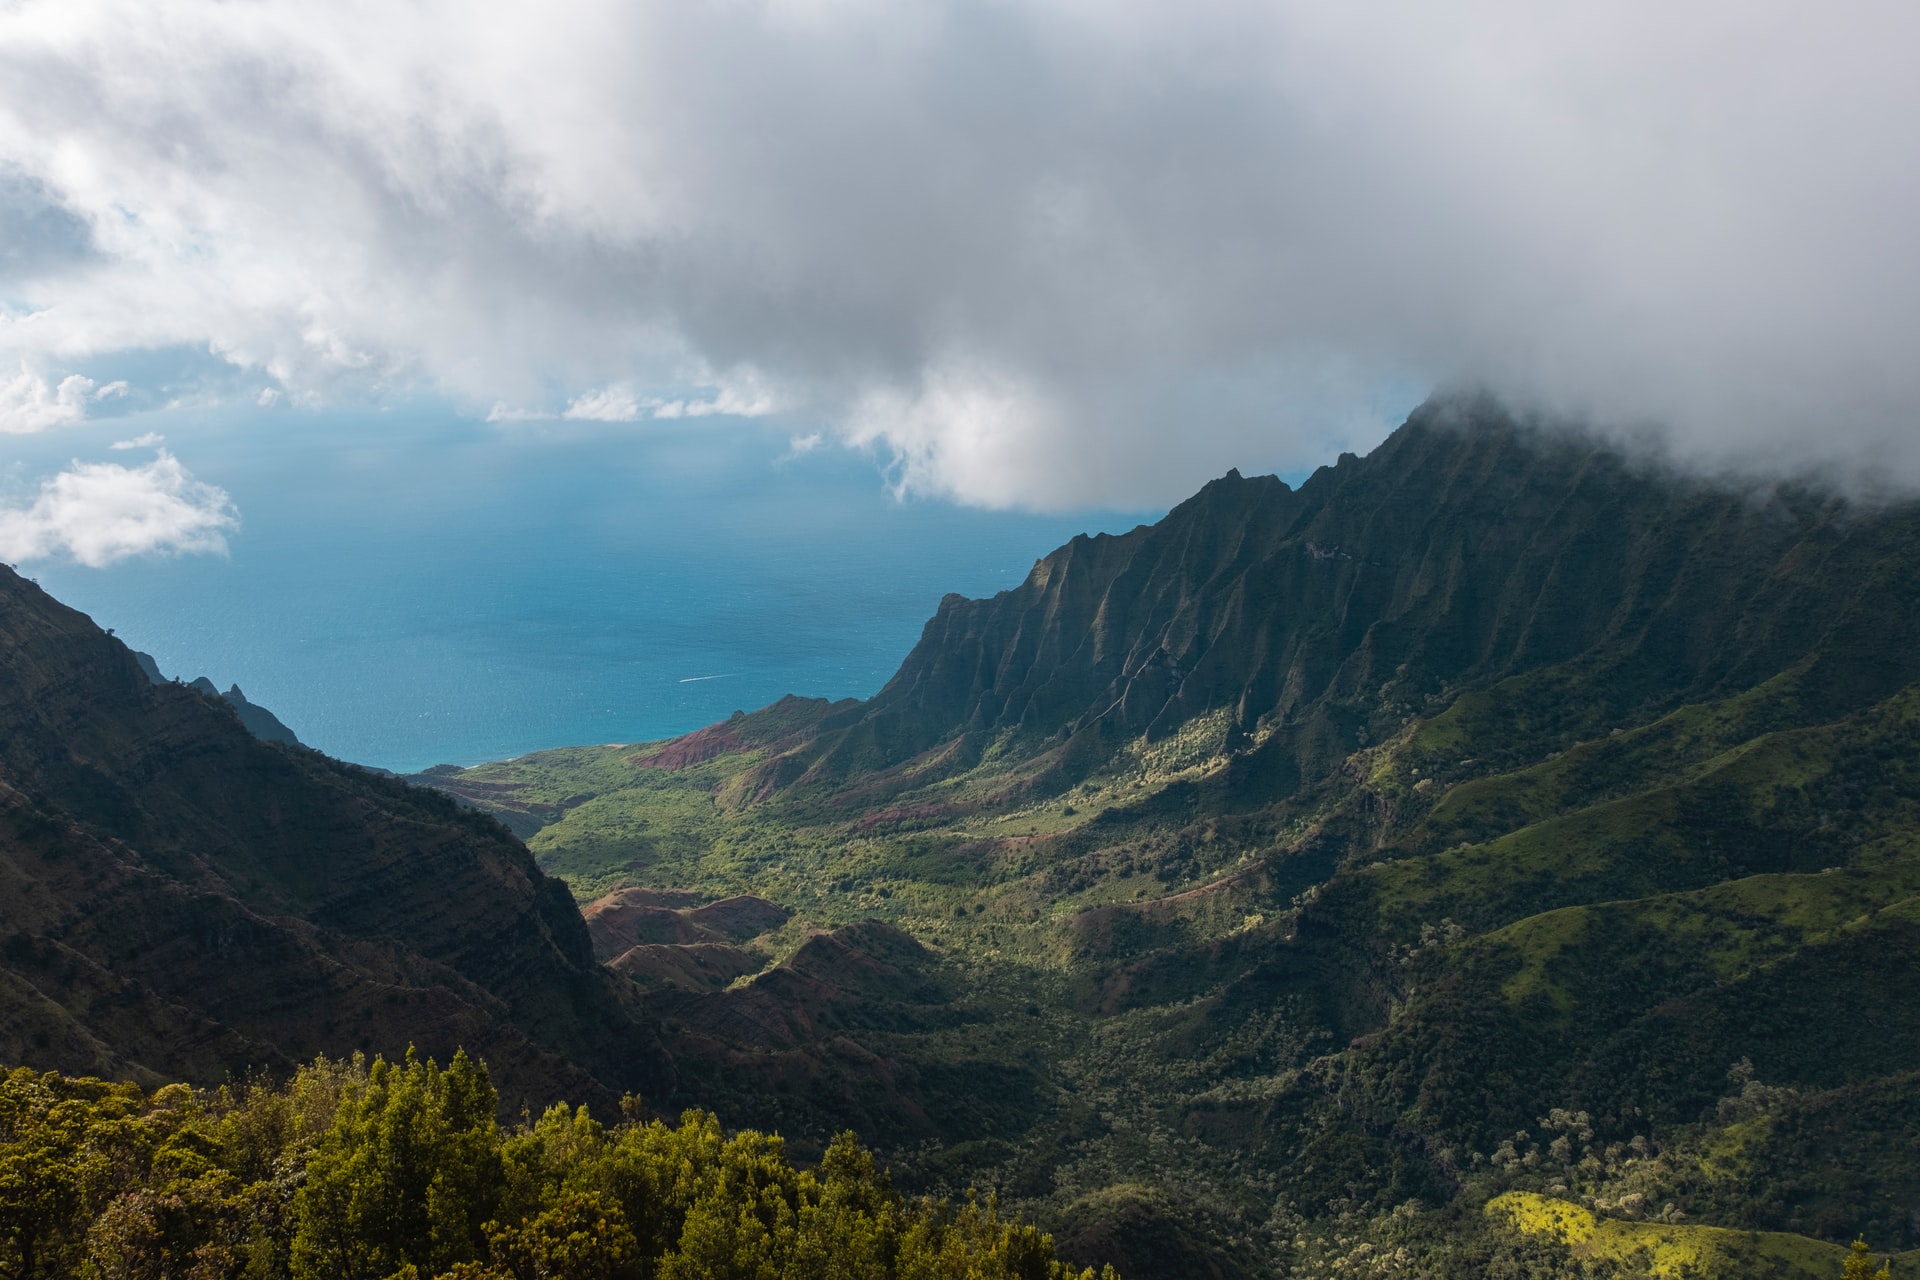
(185, 899)
(260, 722)
(1298, 612)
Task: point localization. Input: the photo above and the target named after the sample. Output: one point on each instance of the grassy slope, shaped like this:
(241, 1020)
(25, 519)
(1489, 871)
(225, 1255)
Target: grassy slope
(1674, 1250)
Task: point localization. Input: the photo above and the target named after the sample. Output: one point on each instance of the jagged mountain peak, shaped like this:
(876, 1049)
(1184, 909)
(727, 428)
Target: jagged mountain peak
(259, 721)
(1470, 546)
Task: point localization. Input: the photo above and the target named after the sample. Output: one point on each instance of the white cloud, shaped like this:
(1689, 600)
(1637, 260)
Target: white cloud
(969, 435)
(31, 402)
(609, 404)
(729, 402)
(99, 512)
(619, 402)
(504, 412)
(146, 440)
(1040, 251)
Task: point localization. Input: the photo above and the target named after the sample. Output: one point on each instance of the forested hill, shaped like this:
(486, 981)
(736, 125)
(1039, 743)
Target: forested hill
(180, 899)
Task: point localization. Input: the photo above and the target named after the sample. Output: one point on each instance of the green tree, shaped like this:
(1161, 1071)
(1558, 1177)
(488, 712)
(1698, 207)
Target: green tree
(54, 1164)
(1859, 1264)
(198, 1228)
(563, 1153)
(407, 1175)
(585, 1237)
(851, 1227)
(400, 1172)
(743, 1220)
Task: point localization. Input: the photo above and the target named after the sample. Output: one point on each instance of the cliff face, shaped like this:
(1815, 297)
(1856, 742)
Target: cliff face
(1466, 548)
(178, 898)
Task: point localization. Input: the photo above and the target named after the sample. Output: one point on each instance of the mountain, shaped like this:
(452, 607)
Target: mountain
(259, 721)
(1497, 855)
(184, 900)
(1466, 549)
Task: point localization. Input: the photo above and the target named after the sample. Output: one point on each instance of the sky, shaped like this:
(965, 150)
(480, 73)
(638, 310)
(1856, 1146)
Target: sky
(404, 590)
(1042, 255)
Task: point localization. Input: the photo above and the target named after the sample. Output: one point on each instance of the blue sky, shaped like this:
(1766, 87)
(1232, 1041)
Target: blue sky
(407, 586)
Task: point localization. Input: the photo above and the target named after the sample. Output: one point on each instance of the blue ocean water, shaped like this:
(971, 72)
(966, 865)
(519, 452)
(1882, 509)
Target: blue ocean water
(411, 587)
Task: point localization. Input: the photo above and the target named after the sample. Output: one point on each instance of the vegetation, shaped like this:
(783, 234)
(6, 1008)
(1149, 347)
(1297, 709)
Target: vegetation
(1674, 1250)
(1113, 951)
(353, 1171)
(1260, 1037)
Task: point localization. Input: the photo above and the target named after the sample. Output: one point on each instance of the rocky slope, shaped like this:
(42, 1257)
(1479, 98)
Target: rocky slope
(181, 899)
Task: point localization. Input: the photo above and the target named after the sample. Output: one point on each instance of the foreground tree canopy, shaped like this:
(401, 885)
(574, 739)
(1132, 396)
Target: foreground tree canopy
(353, 1171)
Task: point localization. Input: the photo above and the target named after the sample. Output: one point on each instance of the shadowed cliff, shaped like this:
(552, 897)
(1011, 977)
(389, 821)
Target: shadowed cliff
(181, 899)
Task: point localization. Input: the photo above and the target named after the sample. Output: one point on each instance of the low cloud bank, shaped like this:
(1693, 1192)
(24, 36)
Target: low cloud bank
(1043, 252)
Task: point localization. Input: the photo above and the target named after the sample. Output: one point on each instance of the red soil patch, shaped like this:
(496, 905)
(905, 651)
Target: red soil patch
(706, 966)
(694, 748)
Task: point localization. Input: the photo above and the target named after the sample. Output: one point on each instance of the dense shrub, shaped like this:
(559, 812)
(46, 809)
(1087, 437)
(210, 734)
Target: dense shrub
(399, 1170)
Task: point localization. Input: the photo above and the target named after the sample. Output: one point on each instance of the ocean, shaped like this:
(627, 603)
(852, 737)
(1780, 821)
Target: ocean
(410, 587)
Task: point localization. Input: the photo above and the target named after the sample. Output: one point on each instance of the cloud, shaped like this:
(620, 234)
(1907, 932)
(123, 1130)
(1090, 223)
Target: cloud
(98, 513)
(504, 412)
(1041, 251)
(725, 403)
(730, 402)
(609, 404)
(145, 440)
(31, 402)
(619, 402)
